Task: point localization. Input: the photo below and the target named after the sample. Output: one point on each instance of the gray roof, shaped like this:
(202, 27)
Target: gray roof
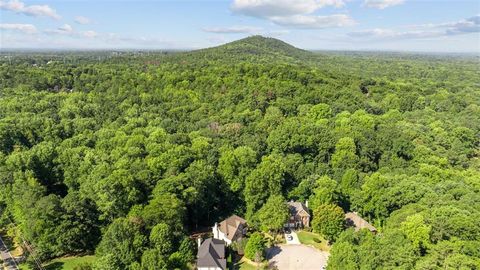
(211, 253)
(298, 208)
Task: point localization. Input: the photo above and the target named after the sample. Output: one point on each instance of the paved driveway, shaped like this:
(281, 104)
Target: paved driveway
(9, 262)
(296, 257)
(294, 241)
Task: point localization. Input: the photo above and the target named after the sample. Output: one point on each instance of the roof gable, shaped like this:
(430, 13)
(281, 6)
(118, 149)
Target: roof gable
(353, 219)
(232, 226)
(298, 208)
(211, 253)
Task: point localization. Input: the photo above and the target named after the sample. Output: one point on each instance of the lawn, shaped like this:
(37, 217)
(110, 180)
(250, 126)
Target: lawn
(313, 239)
(67, 263)
(245, 264)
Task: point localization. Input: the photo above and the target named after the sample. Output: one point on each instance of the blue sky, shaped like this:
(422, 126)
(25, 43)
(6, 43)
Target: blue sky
(398, 25)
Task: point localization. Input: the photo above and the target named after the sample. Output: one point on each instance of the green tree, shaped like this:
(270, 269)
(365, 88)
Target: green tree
(153, 259)
(161, 238)
(255, 248)
(417, 231)
(328, 220)
(320, 111)
(122, 244)
(264, 181)
(345, 156)
(187, 250)
(273, 214)
(343, 256)
(325, 192)
(235, 164)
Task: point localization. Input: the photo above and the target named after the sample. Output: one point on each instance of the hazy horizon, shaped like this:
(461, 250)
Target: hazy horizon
(331, 25)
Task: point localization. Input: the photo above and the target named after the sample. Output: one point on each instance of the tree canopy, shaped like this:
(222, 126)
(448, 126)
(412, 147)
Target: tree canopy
(124, 154)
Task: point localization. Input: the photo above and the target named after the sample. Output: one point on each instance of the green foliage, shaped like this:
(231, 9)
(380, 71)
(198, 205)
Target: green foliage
(328, 220)
(345, 156)
(187, 250)
(161, 238)
(122, 245)
(273, 214)
(264, 181)
(98, 147)
(417, 231)
(325, 192)
(235, 165)
(255, 248)
(153, 259)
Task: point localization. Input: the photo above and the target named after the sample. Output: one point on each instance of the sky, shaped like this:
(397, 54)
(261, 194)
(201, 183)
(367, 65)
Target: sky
(385, 25)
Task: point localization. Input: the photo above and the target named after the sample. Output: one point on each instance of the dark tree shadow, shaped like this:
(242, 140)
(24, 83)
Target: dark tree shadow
(272, 252)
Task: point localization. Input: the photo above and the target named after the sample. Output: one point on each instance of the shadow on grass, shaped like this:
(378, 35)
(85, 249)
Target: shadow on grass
(55, 266)
(8, 242)
(237, 266)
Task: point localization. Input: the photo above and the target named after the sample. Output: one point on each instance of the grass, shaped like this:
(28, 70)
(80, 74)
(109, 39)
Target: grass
(66, 263)
(314, 240)
(246, 264)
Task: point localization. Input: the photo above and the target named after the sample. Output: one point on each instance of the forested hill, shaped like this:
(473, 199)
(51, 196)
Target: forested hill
(124, 155)
(254, 47)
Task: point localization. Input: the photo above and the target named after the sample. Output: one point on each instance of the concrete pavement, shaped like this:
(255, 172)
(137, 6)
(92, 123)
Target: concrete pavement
(296, 257)
(294, 241)
(8, 261)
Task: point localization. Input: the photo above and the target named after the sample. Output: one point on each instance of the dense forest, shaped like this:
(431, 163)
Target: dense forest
(124, 155)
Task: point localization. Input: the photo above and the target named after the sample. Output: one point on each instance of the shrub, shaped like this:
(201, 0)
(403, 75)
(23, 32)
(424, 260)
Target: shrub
(254, 250)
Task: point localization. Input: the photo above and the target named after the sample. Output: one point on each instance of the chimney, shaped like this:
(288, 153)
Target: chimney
(215, 231)
(306, 203)
(199, 241)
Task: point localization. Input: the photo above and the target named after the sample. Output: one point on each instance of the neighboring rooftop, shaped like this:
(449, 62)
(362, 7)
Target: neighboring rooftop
(230, 226)
(298, 208)
(211, 253)
(354, 220)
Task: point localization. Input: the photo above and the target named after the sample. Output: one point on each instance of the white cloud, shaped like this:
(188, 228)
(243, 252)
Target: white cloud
(24, 28)
(270, 8)
(317, 22)
(379, 33)
(33, 10)
(465, 26)
(469, 25)
(381, 4)
(293, 13)
(82, 20)
(65, 29)
(90, 34)
(232, 30)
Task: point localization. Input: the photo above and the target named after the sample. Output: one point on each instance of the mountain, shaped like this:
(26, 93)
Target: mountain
(254, 47)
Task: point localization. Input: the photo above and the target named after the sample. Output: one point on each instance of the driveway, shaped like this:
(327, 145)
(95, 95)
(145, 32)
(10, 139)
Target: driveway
(293, 257)
(294, 241)
(7, 258)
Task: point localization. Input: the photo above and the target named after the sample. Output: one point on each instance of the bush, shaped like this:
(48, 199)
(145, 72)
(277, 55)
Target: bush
(254, 250)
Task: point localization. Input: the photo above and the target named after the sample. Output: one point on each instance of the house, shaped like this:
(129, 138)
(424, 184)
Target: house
(299, 215)
(352, 219)
(211, 255)
(230, 230)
